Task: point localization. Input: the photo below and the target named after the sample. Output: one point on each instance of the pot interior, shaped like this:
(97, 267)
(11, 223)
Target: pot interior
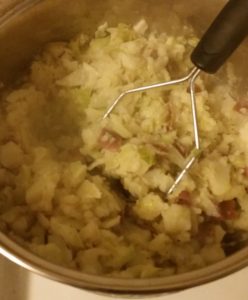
(25, 29)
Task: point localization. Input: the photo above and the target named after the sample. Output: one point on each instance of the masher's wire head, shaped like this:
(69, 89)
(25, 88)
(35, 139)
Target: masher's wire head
(191, 77)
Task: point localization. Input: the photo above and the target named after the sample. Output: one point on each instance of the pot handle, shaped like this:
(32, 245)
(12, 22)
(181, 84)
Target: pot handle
(224, 35)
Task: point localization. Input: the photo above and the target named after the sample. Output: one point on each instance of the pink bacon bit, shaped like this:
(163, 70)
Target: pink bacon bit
(241, 106)
(197, 89)
(229, 209)
(184, 198)
(245, 172)
(110, 140)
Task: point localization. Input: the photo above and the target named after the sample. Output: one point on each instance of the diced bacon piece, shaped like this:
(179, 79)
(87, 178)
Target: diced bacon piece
(197, 89)
(109, 140)
(245, 171)
(241, 106)
(229, 209)
(184, 198)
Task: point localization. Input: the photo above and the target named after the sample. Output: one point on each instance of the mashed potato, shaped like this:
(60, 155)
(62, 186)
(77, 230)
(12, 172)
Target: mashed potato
(90, 194)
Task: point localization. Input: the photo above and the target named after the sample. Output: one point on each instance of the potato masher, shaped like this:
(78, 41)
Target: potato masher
(224, 35)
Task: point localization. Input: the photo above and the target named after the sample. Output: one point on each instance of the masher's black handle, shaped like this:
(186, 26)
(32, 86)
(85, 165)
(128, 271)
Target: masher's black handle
(225, 34)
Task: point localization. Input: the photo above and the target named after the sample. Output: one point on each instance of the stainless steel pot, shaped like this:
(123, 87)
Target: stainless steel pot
(25, 26)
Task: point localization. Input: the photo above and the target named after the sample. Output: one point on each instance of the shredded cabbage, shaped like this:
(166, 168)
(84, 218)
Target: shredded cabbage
(90, 194)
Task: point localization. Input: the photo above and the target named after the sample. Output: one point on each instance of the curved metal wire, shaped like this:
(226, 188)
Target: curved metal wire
(147, 87)
(191, 77)
(196, 151)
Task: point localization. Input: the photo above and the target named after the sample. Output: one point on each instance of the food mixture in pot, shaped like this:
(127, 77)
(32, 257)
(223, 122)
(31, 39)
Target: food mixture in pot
(90, 194)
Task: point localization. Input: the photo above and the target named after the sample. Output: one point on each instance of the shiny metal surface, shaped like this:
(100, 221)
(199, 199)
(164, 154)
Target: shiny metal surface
(149, 87)
(191, 77)
(23, 32)
(18, 284)
(196, 151)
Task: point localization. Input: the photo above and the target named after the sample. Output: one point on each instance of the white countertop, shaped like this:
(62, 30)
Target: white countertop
(19, 284)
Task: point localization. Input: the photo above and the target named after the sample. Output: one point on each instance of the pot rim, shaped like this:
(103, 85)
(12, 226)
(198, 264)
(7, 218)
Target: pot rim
(17, 9)
(31, 262)
(22, 257)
